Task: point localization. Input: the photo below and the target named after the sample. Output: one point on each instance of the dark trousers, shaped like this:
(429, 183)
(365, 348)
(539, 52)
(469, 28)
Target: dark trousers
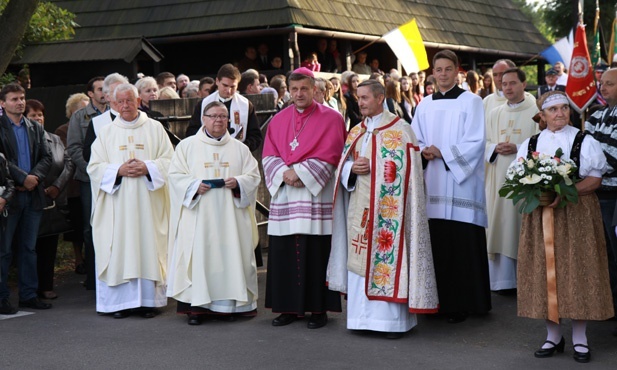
(607, 207)
(22, 225)
(86, 203)
(46, 250)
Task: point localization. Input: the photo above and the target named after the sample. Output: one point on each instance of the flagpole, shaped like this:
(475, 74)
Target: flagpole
(366, 46)
(580, 19)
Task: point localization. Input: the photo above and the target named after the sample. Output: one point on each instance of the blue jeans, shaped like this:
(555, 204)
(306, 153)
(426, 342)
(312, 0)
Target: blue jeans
(607, 206)
(22, 226)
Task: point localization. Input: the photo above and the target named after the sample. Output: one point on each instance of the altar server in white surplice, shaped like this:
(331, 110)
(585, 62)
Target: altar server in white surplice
(507, 127)
(130, 214)
(450, 129)
(213, 182)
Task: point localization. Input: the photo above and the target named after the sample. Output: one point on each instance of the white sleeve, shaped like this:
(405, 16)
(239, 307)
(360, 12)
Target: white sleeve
(345, 174)
(190, 198)
(593, 160)
(108, 184)
(157, 180)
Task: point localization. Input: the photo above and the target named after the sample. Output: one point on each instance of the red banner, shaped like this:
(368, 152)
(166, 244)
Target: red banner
(581, 87)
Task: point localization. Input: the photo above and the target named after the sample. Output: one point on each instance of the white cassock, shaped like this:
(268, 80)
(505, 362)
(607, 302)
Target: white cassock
(130, 220)
(513, 124)
(213, 236)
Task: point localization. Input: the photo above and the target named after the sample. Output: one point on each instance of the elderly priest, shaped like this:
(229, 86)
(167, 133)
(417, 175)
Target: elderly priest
(213, 183)
(128, 174)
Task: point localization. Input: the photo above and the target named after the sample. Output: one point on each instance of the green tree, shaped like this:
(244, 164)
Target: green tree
(29, 21)
(536, 15)
(561, 15)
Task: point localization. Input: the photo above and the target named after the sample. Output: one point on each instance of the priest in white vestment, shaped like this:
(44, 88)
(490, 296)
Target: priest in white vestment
(381, 250)
(213, 232)
(130, 213)
(497, 98)
(507, 127)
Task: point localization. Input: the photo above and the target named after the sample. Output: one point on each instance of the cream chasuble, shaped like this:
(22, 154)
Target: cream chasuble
(513, 125)
(213, 236)
(130, 219)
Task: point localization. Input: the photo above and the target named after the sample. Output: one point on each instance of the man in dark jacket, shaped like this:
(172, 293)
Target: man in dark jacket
(29, 159)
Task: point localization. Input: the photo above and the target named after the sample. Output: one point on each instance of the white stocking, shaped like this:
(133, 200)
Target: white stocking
(553, 333)
(579, 334)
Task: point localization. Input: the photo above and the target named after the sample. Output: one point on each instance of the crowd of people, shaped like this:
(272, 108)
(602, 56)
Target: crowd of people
(383, 188)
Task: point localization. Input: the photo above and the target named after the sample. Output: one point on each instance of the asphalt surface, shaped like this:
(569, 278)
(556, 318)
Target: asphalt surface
(73, 336)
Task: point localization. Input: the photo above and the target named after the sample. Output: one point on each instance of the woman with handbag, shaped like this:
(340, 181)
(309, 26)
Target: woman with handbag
(54, 221)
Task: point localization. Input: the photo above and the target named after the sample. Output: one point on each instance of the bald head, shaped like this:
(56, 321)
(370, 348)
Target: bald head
(609, 87)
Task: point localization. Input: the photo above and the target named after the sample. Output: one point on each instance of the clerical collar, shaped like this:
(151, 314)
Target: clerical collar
(499, 93)
(301, 111)
(371, 122)
(225, 100)
(212, 137)
(516, 104)
(452, 93)
(131, 122)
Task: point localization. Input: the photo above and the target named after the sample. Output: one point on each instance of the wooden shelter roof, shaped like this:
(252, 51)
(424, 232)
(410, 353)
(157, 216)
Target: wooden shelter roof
(491, 26)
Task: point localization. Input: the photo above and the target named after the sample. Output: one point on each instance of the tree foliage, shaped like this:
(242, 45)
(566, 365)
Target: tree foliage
(536, 15)
(561, 15)
(29, 21)
(48, 23)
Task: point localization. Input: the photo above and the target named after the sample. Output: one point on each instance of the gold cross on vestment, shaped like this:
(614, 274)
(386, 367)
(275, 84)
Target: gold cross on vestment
(217, 164)
(132, 147)
(510, 130)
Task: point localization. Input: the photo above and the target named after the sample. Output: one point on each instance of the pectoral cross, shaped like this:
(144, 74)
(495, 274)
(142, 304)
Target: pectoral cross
(294, 144)
(510, 130)
(216, 164)
(132, 147)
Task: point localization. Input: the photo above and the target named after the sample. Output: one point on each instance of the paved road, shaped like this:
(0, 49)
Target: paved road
(73, 336)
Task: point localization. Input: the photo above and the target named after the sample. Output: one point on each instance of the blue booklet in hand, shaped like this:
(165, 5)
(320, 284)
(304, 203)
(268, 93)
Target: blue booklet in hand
(214, 183)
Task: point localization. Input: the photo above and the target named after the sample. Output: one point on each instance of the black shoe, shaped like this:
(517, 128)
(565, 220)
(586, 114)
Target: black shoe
(122, 314)
(225, 318)
(455, 318)
(6, 308)
(80, 269)
(194, 320)
(507, 292)
(581, 356)
(148, 313)
(614, 332)
(548, 352)
(317, 320)
(284, 319)
(35, 303)
(394, 335)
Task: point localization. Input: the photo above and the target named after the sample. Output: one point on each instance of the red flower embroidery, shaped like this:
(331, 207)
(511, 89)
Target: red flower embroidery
(389, 172)
(385, 239)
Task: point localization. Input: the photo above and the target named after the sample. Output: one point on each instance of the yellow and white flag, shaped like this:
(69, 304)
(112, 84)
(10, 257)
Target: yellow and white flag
(406, 43)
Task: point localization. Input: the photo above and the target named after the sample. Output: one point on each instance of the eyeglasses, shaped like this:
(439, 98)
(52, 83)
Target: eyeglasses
(222, 117)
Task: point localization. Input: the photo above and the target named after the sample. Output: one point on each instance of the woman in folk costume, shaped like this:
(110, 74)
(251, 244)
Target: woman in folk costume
(577, 286)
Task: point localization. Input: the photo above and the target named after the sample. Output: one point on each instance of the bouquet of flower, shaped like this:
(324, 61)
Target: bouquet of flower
(527, 180)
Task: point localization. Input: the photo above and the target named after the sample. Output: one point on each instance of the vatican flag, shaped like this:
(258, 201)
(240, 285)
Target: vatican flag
(406, 43)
